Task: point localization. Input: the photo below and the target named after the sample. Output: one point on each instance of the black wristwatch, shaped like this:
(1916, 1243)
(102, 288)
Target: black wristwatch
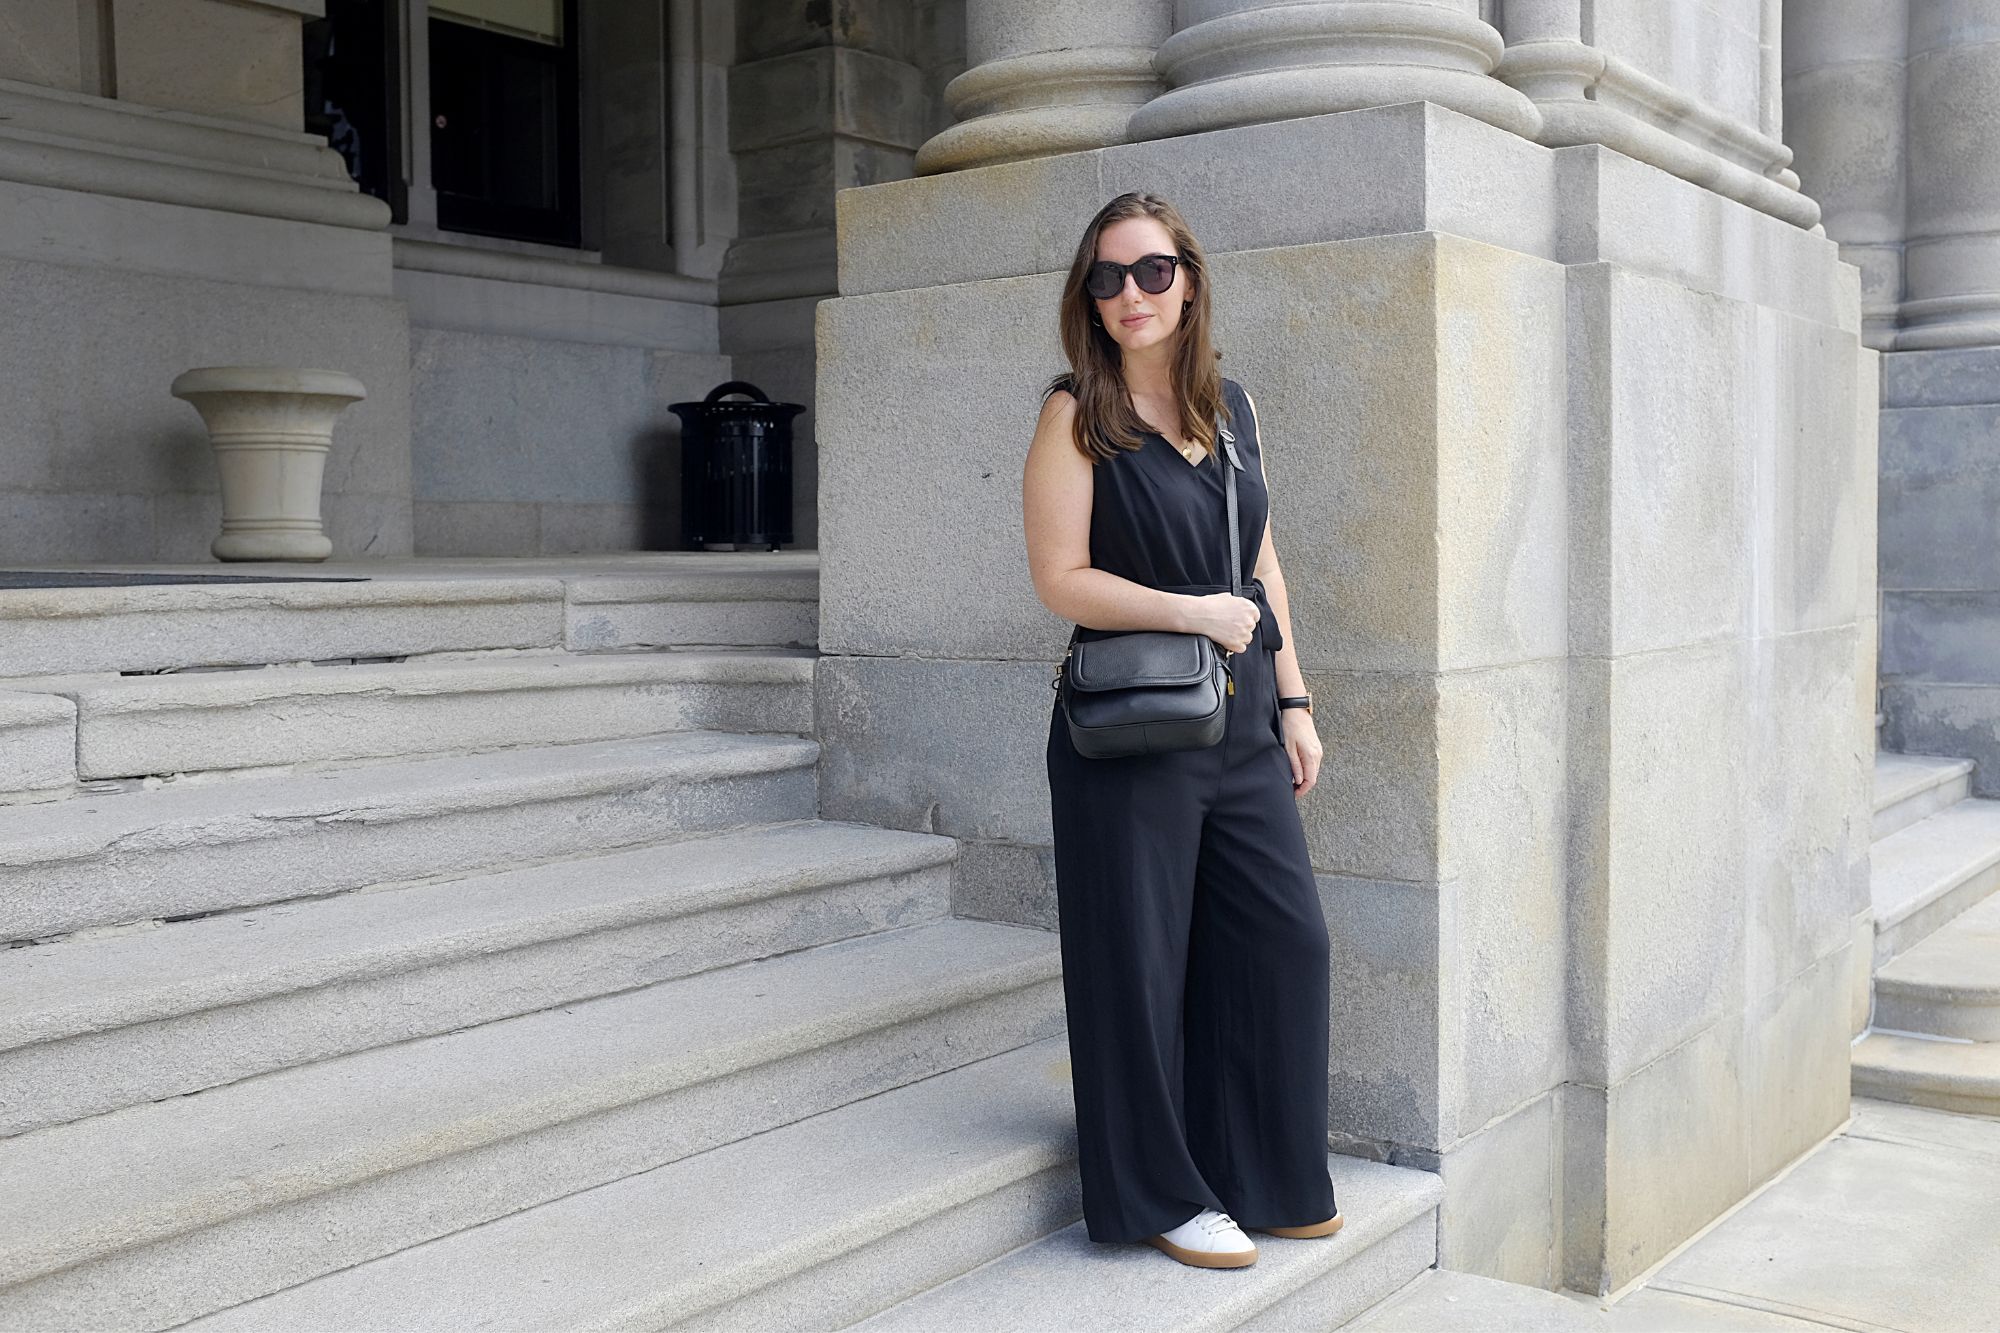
(1304, 701)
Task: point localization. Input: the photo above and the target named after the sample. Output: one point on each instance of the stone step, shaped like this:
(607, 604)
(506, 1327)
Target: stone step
(90, 1024)
(766, 599)
(408, 607)
(172, 626)
(1909, 787)
(808, 1226)
(952, 1202)
(134, 726)
(1925, 874)
(37, 746)
(1066, 1280)
(1948, 1075)
(155, 1214)
(188, 849)
(1947, 984)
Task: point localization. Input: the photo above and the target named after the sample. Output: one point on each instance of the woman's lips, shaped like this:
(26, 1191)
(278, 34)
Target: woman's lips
(1134, 320)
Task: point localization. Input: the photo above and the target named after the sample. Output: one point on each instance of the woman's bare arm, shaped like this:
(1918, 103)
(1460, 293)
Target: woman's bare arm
(1056, 489)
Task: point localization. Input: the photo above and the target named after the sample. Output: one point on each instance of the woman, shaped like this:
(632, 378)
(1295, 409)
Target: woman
(1193, 945)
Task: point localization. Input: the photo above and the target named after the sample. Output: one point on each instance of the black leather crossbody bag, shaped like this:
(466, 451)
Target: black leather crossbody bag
(1151, 691)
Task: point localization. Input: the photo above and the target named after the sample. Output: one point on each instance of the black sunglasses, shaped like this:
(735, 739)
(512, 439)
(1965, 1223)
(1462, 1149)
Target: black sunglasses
(1153, 273)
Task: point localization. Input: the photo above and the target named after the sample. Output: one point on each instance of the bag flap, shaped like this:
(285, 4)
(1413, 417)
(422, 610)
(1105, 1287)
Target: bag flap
(1143, 657)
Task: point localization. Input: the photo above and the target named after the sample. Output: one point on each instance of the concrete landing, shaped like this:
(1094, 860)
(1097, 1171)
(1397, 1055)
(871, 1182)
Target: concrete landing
(1889, 1227)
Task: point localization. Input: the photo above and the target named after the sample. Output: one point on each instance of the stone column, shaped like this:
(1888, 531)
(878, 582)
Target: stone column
(1952, 254)
(820, 97)
(1940, 555)
(1237, 62)
(1680, 87)
(1569, 492)
(1047, 78)
(1844, 105)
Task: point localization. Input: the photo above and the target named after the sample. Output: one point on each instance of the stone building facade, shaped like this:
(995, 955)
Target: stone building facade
(165, 208)
(1572, 376)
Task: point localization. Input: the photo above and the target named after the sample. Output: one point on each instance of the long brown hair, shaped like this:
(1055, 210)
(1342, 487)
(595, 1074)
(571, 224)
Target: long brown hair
(1106, 421)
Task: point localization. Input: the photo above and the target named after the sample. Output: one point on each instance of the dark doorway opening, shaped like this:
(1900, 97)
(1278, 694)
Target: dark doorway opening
(353, 94)
(504, 119)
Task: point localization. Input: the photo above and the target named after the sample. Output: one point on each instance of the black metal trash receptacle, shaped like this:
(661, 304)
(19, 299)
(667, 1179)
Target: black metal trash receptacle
(736, 469)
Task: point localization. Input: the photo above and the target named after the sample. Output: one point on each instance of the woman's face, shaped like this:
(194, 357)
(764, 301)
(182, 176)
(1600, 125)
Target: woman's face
(1137, 319)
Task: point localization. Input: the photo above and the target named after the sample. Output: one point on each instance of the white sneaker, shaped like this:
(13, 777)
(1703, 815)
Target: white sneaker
(1208, 1240)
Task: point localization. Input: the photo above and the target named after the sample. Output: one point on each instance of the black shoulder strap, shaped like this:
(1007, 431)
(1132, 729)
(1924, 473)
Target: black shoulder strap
(1226, 447)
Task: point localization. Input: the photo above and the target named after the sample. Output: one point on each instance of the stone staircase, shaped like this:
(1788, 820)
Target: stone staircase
(1934, 1034)
(461, 948)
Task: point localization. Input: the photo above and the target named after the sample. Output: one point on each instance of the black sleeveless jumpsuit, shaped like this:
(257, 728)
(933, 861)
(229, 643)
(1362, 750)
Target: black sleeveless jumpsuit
(1194, 948)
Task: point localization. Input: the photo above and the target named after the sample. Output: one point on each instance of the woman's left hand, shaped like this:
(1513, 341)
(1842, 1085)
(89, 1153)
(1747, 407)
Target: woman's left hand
(1302, 746)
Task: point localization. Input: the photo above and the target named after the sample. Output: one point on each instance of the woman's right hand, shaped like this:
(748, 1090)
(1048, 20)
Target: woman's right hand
(1223, 616)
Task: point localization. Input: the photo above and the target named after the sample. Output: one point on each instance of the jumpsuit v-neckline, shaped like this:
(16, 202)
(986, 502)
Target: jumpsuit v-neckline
(1194, 946)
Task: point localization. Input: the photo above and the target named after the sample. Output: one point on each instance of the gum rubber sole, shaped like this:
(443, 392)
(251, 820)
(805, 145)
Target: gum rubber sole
(1326, 1228)
(1204, 1258)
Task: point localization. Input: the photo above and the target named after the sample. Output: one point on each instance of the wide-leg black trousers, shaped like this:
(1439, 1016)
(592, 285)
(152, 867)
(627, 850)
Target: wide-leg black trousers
(1194, 954)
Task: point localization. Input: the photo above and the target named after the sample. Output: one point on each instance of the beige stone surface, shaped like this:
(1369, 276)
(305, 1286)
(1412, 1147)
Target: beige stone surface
(1502, 1215)
(165, 58)
(42, 42)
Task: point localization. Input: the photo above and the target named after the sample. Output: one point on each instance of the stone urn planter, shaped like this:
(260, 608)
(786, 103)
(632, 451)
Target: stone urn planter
(271, 427)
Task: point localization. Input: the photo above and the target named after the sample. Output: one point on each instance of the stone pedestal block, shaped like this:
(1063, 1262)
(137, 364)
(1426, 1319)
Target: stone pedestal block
(1571, 524)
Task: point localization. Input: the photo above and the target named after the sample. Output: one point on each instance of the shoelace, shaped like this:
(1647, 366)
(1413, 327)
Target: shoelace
(1215, 1223)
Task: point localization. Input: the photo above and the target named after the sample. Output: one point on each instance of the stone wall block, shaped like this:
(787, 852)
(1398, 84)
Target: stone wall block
(1944, 636)
(1797, 1053)
(1627, 212)
(1940, 487)
(1658, 806)
(1675, 1152)
(1659, 478)
(1374, 812)
(1503, 1196)
(41, 42)
(1810, 805)
(1500, 742)
(1354, 443)
(1385, 1021)
(1805, 505)
(1502, 425)
(933, 746)
(1930, 717)
(807, 95)
(922, 549)
(165, 54)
